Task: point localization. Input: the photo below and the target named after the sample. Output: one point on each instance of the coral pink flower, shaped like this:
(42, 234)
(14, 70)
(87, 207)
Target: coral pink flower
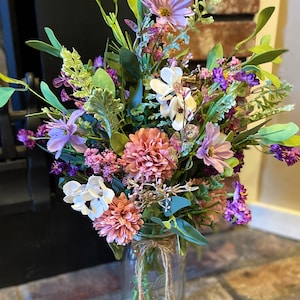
(120, 222)
(149, 156)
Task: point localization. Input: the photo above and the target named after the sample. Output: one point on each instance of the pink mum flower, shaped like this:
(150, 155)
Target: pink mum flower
(120, 222)
(149, 156)
(172, 12)
(214, 149)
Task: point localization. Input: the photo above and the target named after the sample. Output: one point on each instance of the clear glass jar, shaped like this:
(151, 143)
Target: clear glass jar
(152, 267)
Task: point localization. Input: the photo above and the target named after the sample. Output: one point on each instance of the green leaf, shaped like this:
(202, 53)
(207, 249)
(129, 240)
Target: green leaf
(183, 229)
(277, 132)
(136, 95)
(5, 94)
(272, 77)
(130, 63)
(13, 80)
(50, 97)
(188, 232)
(118, 141)
(176, 204)
(136, 8)
(117, 185)
(102, 80)
(44, 47)
(117, 250)
(52, 38)
(265, 57)
(242, 136)
(215, 53)
(262, 19)
(294, 141)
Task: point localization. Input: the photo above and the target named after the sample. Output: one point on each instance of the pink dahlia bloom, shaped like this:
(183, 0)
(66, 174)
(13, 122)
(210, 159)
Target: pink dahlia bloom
(120, 222)
(149, 156)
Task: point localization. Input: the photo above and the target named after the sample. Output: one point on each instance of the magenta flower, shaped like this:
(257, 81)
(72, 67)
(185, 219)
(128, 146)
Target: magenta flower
(214, 150)
(172, 12)
(62, 132)
(236, 211)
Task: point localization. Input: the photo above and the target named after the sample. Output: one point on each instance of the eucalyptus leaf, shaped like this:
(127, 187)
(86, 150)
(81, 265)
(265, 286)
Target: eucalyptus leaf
(277, 132)
(5, 94)
(52, 38)
(44, 47)
(50, 97)
(176, 204)
(187, 232)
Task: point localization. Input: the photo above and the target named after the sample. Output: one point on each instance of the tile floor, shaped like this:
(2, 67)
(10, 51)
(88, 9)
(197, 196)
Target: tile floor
(239, 264)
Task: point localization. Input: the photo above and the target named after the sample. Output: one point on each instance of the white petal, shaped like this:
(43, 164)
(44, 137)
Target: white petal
(70, 187)
(160, 87)
(178, 122)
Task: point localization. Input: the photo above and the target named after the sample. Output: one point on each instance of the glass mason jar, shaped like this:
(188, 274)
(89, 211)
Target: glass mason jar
(152, 267)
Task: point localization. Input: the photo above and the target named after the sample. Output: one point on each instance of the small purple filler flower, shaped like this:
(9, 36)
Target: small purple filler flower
(218, 76)
(284, 153)
(27, 138)
(236, 211)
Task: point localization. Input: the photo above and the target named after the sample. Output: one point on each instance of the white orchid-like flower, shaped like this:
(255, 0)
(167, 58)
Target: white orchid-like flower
(175, 100)
(90, 199)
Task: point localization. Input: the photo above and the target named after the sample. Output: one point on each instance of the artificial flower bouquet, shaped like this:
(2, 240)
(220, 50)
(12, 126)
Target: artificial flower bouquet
(138, 137)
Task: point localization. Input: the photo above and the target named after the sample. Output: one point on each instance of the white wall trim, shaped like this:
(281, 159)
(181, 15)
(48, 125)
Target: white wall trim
(275, 219)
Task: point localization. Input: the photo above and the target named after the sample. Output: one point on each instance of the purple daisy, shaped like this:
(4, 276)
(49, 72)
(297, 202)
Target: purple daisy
(172, 12)
(214, 149)
(62, 132)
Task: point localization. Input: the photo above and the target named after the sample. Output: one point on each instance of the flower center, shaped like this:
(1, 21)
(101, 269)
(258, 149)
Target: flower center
(210, 151)
(165, 12)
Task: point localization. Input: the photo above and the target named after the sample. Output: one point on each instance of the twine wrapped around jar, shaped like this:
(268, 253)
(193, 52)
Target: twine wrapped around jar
(166, 248)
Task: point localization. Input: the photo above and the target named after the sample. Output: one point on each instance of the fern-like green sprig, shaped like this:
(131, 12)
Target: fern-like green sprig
(105, 109)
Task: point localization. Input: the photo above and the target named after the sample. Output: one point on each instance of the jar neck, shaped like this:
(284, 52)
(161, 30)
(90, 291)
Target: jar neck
(153, 231)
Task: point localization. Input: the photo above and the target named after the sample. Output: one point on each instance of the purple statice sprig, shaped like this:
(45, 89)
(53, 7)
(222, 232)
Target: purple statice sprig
(290, 155)
(236, 211)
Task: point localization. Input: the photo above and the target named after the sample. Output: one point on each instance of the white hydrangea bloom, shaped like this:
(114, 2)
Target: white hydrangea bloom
(90, 199)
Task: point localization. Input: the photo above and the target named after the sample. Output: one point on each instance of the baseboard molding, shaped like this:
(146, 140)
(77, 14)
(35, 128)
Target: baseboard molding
(274, 219)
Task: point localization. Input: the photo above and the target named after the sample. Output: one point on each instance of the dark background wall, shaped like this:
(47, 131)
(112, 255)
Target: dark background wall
(38, 242)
